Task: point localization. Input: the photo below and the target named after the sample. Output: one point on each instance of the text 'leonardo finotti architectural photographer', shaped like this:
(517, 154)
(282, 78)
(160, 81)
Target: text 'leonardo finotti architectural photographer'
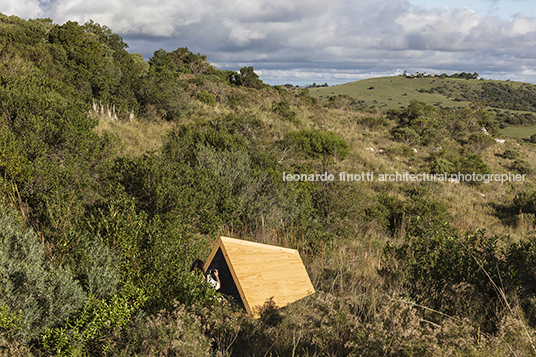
(404, 177)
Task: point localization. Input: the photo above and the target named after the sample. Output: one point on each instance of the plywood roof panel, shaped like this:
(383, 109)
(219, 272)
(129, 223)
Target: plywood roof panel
(263, 271)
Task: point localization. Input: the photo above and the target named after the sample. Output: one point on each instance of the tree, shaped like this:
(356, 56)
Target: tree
(246, 78)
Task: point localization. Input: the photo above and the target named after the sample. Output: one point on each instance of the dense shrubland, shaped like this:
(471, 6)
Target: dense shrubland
(116, 173)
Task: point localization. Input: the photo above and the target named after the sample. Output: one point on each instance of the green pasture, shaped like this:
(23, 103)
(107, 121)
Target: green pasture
(524, 132)
(398, 91)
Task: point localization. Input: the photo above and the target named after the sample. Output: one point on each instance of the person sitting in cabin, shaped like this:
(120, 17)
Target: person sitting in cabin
(199, 266)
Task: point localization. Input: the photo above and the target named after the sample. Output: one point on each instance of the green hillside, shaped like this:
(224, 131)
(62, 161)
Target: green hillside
(512, 100)
(416, 227)
(396, 92)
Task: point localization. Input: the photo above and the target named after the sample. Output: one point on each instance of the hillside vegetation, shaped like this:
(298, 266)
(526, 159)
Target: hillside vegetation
(116, 173)
(512, 102)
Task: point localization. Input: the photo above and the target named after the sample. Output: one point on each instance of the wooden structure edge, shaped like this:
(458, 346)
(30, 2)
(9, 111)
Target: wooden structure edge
(221, 245)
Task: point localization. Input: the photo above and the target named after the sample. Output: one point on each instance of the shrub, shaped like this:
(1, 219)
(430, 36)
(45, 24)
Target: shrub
(406, 135)
(280, 90)
(205, 97)
(99, 269)
(523, 166)
(469, 164)
(317, 143)
(440, 165)
(13, 163)
(10, 322)
(181, 143)
(161, 95)
(43, 296)
(81, 334)
(430, 136)
(449, 273)
(169, 333)
(395, 215)
(283, 108)
(342, 101)
(306, 96)
(525, 202)
(155, 257)
(473, 276)
(247, 78)
(373, 122)
(511, 154)
(480, 142)
(404, 150)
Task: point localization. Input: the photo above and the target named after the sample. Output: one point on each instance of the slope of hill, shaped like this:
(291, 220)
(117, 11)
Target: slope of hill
(415, 226)
(514, 102)
(395, 92)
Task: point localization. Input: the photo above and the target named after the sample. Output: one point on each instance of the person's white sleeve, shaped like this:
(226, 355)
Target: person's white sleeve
(213, 282)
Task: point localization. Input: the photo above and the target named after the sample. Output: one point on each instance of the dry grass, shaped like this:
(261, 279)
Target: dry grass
(137, 136)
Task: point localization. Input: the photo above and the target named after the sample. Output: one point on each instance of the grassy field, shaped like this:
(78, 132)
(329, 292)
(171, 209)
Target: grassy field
(524, 132)
(398, 91)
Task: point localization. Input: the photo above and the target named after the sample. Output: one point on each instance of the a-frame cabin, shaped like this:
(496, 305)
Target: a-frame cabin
(253, 273)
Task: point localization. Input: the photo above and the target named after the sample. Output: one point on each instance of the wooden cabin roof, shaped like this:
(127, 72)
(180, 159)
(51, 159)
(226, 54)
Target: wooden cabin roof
(262, 271)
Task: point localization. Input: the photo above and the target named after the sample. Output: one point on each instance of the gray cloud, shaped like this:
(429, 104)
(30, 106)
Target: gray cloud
(305, 41)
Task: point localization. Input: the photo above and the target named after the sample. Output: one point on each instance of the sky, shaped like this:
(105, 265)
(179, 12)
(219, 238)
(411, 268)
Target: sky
(305, 41)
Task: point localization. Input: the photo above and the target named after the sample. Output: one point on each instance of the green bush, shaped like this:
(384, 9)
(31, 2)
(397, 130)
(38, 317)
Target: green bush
(161, 96)
(247, 78)
(473, 276)
(44, 297)
(525, 202)
(306, 96)
(406, 135)
(440, 165)
(447, 273)
(154, 256)
(523, 166)
(404, 150)
(341, 101)
(469, 164)
(511, 154)
(317, 143)
(99, 270)
(395, 214)
(205, 97)
(176, 332)
(79, 335)
(10, 322)
(479, 142)
(181, 144)
(283, 108)
(431, 136)
(373, 122)
(13, 162)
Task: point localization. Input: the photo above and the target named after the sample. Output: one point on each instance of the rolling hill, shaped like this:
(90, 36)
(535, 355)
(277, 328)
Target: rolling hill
(397, 92)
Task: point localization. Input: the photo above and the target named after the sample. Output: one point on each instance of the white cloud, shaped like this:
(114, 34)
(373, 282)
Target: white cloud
(342, 39)
(21, 8)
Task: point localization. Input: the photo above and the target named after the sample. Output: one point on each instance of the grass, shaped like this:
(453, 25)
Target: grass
(396, 92)
(523, 132)
(137, 136)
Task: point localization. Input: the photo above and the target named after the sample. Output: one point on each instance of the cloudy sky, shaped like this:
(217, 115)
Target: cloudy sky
(306, 41)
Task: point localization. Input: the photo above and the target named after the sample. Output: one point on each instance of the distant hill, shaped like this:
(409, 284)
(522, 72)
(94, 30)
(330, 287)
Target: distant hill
(513, 102)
